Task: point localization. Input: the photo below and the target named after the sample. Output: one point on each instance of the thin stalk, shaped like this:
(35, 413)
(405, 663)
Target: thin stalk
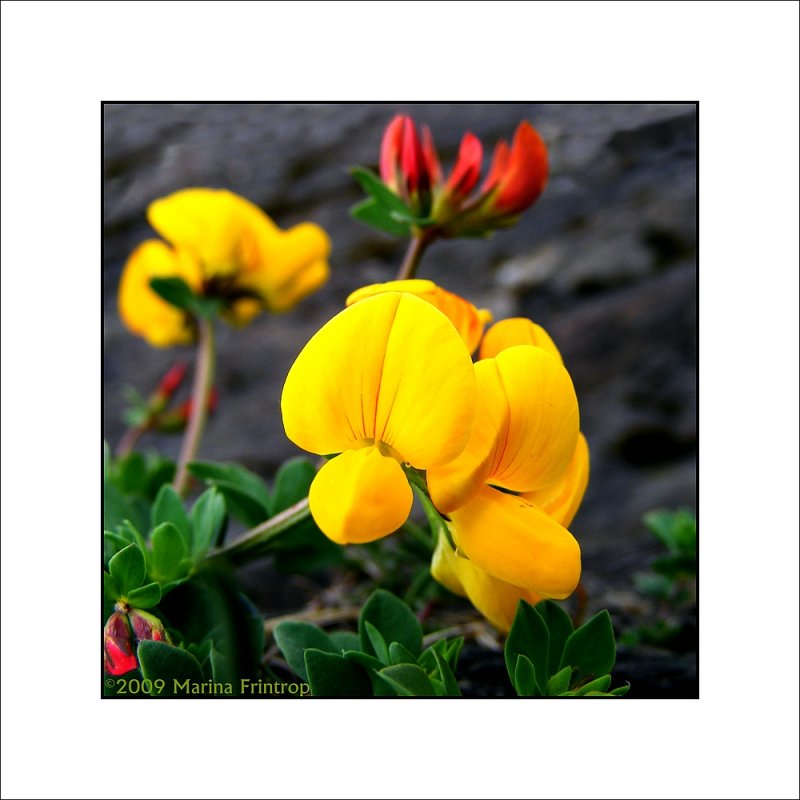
(130, 438)
(257, 537)
(416, 247)
(201, 386)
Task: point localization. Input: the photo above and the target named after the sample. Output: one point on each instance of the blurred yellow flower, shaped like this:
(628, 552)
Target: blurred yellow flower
(386, 382)
(469, 321)
(238, 256)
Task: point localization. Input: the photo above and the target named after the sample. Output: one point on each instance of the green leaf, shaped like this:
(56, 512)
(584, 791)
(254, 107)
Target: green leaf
(145, 596)
(292, 482)
(208, 520)
(525, 678)
(393, 618)
(115, 506)
(294, 638)
(408, 680)
(559, 683)
(591, 648)
(372, 213)
(246, 494)
(620, 691)
(438, 525)
(111, 590)
(378, 643)
(597, 685)
(398, 654)
(113, 542)
(128, 569)
(559, 626)
(177, 668)
(131, 472)
(332, 675)
(168, 556)
(372, 666)
(168, 507)
(528, 637)
(177, 293)
(449, 682)
(345, 640)
(378, 190)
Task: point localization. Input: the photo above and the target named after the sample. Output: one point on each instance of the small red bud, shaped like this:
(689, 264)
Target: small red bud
(171, 382)
(467, 169)
(391, 146)
(118, 654)
(147, 626)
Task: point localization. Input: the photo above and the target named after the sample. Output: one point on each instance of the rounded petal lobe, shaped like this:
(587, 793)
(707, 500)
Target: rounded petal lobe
(142, 311)
(453, 484)
(517, 543)
(561, 499)
(543, 420)
(468, 320)
(218, 226)
(360, 496)
(513, 331)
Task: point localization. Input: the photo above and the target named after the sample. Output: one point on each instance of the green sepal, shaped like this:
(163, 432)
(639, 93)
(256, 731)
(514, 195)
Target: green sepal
(145, 596)
(591, 648)
(128, 568)
(169, 663)
(294, 638)
(435, 520)
(176, 292)
(393, 618)
(408, 680)
(380, 192)
(332, 675)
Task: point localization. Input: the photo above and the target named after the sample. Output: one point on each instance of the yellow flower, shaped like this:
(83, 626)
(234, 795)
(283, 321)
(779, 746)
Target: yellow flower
(388, 381)
(240, 257)
(516, 330)
(469, 321)
(497, 600)
(523, 442)
(142, 311)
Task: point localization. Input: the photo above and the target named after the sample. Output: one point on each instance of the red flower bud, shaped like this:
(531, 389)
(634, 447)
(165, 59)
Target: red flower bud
(118, 654)
(405, 167)
(391, 146)
(517, 176)
(467, 168)
(147, 626)
(171, 382)
(431, 156)
(185, 409)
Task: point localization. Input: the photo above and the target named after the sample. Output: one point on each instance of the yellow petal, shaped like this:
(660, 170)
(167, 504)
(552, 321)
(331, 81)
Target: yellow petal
(389, 369)
(467, 319)
(142, 311)
(242, 311)
(452, 484)
(561, 499)
(517, 543)
(360, 496)
(495, 599)
(218, 226)
(517, 330)
(286, 266)
(543, 420)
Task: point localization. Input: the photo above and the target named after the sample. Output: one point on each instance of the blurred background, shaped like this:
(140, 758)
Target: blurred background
(605, 261)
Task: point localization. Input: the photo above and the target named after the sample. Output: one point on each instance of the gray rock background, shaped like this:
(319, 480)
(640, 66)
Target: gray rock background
(606, 261)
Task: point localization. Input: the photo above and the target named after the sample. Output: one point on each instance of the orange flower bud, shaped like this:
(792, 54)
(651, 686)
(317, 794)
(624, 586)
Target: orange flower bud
(467, 168)
(517, 176)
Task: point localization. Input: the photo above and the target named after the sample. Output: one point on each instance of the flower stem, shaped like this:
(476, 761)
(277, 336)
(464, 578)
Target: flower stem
(416, 247)
(130, 438)
(257, 537)
(203, 379)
